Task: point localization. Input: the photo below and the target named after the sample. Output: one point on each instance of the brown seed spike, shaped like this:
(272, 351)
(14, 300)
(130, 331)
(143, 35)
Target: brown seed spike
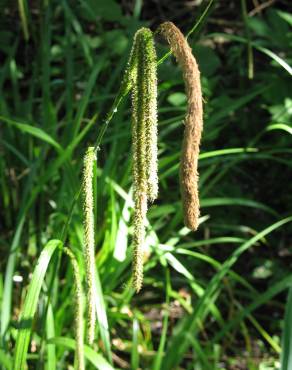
(193, 123)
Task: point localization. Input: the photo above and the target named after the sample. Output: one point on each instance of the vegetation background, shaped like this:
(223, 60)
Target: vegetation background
(214, 299)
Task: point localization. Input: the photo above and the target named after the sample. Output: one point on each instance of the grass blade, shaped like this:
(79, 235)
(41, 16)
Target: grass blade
(159, 356)
(5, 360)
(286, 358)
(95, 358)
(260, 300)
(180, 343)
(30, 305)
(34, 131)
(266, 51)
(51, 348)
(280, 126)
(102, 316)
(85, 99)
(135, 345)
(22, 6)
(7, 291)
(214, 202)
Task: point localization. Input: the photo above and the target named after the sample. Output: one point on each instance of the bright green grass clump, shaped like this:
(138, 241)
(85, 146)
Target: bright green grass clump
(54, 127)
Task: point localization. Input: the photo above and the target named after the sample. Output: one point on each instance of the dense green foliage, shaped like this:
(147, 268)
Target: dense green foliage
(213, 299)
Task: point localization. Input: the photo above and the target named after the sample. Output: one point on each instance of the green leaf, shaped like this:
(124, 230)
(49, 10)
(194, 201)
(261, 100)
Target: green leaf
(207, 59)
(117, 40)
(5, 360)
(95, 358)
(23, 9)
(286, 16)
(214, 202)
(108, 10)
(30, 304)
(177, 99)
(34, 131)
(280, 126)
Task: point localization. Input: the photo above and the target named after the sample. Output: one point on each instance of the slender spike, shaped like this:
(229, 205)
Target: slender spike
(193, 123)
(144, 141)
(89, 160)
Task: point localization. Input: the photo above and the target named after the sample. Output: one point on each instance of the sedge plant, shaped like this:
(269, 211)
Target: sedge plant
(141, 79)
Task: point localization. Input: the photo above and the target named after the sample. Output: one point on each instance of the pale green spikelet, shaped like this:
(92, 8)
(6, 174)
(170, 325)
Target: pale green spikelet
(150, 86)
(89, 249)
(78, 311)
(130, 72)
(138, 239)
(146, 85)
(144, 140)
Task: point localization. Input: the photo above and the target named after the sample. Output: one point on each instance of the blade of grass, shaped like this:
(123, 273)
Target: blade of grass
(49, 114)
(96, 359)
(266, 51)
(22, 6)
(5, 360)
(280, 126)
(214, 202)
(250, 63)
(34, 131)
(30, 304)
(73, 130)
(199, 352)
(212, 154)
(196, 28)
(135, 344)
(286, 357)
(102, 316)
(261, 299)
(236, 104)
(163, 338)
(81, 38)
(51, 348)
(197, 288)
(180, 343)
(273, 343)
(202, 19)
(7, 293)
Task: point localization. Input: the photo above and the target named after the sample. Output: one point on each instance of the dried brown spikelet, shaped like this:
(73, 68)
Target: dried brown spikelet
(193, 123)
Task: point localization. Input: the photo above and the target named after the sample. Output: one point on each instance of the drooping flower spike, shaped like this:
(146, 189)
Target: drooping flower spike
(142, 72)
(89, 160)
(193, 123)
